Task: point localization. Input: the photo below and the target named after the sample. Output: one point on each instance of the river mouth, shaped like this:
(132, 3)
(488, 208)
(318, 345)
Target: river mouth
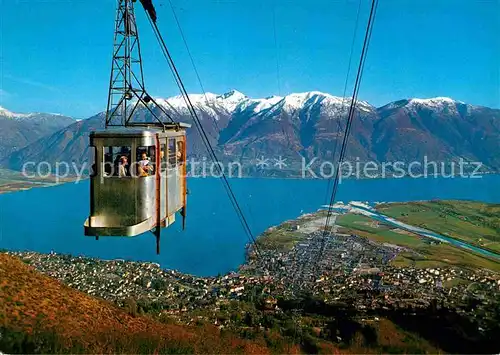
(429, 234)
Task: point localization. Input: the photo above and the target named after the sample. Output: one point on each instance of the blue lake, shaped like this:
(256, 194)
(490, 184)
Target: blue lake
(51, 219)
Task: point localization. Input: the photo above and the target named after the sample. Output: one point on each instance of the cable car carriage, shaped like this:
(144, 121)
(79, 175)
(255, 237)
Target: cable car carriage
(138, 177)
(139, 180)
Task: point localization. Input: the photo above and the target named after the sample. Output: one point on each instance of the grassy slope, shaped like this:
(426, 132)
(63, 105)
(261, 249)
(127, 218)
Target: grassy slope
(429, 255)
(473, 222)
(38, 314)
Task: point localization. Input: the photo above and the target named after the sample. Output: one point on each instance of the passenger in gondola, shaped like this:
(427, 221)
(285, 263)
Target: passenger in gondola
(180, 152)
(123, 168)
(145, 167)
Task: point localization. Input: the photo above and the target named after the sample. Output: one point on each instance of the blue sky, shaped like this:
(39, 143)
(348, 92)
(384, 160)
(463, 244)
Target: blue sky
(55, 54)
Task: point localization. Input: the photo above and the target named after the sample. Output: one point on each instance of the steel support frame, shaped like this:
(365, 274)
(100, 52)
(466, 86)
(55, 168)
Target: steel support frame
(126, 85)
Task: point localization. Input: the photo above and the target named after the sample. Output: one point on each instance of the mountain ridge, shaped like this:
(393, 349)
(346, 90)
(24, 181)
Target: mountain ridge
(17, 130)
(308, 124)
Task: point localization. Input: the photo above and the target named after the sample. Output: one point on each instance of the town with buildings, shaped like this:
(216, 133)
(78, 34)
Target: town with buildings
(337, 268)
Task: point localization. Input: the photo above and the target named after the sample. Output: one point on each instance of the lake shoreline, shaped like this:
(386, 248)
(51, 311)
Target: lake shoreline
(10, 187)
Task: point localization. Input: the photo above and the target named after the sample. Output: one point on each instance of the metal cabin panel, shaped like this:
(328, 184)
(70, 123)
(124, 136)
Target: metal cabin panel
(183, 177)
(179, 197)
(123, 132)
(174, 190)
(123, 201)
(163, 196)
(163, 177)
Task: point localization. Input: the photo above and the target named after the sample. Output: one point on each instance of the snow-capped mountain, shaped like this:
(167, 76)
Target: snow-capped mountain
(436, 104)
(310, 124)
(207, 102)
(234, 100)
(8, 114)
(441, 128)
(4, 113)
(17, 130)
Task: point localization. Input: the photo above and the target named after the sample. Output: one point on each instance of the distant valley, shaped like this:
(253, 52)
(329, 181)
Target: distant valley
(298, 125)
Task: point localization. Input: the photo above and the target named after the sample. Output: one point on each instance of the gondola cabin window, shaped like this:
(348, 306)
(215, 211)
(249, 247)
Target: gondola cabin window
(145, 161)
(180, 151)
(172, 153)
(163, 157)
(117, 161)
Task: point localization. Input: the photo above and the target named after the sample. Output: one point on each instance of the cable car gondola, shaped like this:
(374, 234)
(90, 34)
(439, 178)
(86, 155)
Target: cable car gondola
(138, 178)
(130, 195)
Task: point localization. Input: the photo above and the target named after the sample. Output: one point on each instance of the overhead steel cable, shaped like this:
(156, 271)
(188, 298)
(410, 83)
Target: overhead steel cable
(194, 65)
(366, 42)
(191, 58)
(205, 138)
(339, 127)
(168, 62)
